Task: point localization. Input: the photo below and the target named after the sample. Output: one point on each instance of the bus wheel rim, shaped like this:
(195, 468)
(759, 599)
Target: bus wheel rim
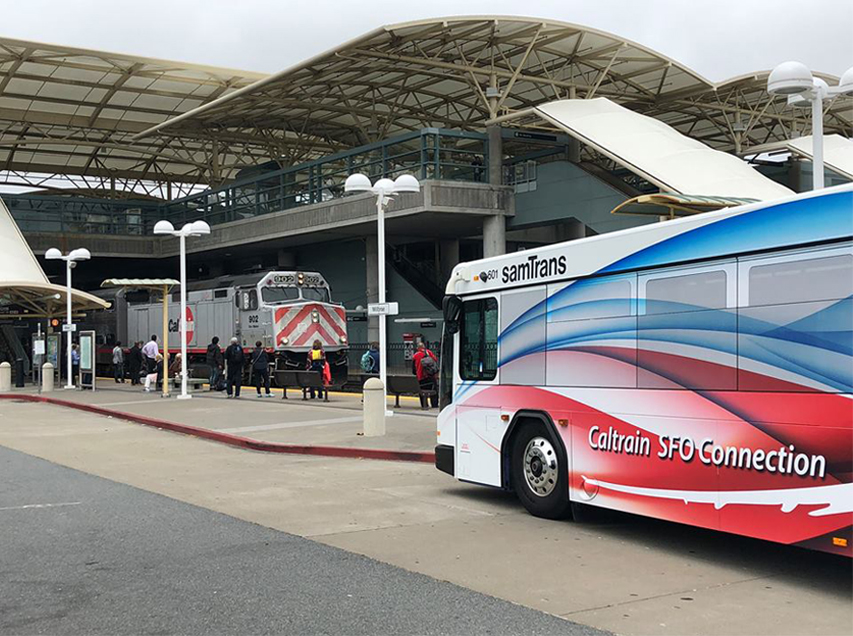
(541, 468)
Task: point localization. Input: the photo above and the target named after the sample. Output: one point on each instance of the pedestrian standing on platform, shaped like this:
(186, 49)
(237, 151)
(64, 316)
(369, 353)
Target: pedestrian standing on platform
(150, 351)
(118, 363)
(134, 362)
(215, 361)
(317, 363)
(425, 365)
(235, 359)
(75, 363)
(261, 368)
(370, 359)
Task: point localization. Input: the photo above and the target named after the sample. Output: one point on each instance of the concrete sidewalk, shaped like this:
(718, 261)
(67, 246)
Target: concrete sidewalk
(292, 421)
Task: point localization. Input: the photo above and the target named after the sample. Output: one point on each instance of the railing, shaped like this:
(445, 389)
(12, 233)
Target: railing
(430, 153)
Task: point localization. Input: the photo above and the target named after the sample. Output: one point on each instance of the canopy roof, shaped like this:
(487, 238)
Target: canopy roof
(70, 111)
(657, 152)
(460, 72)
(837, 151)
(24, 287)
(672, 205)
(140, 283)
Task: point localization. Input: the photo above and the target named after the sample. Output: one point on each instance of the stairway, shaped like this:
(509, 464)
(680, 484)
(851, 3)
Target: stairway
(421, 280)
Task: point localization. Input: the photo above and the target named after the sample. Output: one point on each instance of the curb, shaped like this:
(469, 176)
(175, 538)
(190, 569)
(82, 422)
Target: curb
(235, 440)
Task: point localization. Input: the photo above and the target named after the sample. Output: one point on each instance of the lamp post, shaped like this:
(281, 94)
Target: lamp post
(384, 189)
(196, 228)
(795, 80)
(71, 259)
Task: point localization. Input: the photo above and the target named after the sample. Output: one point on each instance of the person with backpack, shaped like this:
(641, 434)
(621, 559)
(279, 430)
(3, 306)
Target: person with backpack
(135, 362)
(215, 361)
(261, 368)
(425, 365)
(370, 359)
(235, 359)
(317, 363)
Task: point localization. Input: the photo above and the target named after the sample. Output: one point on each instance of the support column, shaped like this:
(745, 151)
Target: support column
(371, 264)
(494, 227)
(448, 257)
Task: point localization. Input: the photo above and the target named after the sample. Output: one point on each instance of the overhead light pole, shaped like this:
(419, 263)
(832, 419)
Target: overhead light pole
(71, 259)
(384, 189)
(795, 80)
(196, 228)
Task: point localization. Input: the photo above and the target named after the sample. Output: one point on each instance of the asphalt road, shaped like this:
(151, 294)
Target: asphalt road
(82, 554)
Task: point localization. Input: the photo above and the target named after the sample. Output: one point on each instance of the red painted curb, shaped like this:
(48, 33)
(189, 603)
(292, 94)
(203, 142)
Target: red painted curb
(235, 440)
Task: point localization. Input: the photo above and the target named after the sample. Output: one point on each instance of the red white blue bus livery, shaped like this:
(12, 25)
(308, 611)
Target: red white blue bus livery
(698, 370)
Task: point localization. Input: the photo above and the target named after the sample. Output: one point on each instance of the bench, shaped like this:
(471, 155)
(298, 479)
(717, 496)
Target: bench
(406, 385)
(195, 384)
(304, 380)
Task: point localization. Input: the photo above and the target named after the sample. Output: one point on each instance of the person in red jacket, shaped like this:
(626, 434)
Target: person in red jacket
(425, 365)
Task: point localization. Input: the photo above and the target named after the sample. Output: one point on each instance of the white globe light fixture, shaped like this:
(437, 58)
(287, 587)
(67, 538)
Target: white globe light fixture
(71, 259)
(195, 228)
(384, 189)
(795, 80)
(789, 78)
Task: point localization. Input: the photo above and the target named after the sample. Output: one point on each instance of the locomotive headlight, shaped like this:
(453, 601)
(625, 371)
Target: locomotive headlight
(300, 278)
(343, 339)
(315, 317)
(284, 340)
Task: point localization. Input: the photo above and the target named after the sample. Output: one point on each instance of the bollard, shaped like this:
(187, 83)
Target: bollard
(374, 408)
(20, 380)
(46, 377)
(5, 377)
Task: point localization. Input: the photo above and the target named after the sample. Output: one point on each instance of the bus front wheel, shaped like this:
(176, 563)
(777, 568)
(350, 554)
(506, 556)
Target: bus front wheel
(539, 471)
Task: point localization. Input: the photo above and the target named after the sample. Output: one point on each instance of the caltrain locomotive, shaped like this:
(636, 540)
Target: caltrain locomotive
(286, 310)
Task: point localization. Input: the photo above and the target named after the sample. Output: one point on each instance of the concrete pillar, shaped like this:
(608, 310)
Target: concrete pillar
(494, 236)
(5, 377)
(494, 227)
(374, 408)
(448, 257)
(495, 155)
(47, 377)
(285, 259)
(371, 264)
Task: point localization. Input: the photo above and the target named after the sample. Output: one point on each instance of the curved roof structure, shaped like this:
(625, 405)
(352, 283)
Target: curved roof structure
(110, 117)
(461, 72)
(24, 288)
(72, 111)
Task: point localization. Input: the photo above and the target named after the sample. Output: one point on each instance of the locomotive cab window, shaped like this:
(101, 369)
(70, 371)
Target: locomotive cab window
(273, 295)
(320, 294)
(478, 344)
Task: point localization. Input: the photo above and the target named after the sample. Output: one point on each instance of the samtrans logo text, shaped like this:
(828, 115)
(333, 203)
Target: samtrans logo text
(534, 268)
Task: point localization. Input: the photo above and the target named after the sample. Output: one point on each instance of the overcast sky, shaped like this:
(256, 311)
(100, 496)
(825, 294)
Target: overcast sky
(717, 38)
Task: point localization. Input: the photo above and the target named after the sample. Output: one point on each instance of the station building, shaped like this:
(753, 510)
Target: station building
(96, 147)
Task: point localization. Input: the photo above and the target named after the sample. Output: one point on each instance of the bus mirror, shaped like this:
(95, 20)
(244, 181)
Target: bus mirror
(452, 310)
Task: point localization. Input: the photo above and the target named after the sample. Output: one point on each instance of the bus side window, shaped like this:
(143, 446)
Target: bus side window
(478, 345)
(795, 323)
(687, 328)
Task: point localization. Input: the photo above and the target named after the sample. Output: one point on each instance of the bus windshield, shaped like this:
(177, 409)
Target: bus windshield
(276, 295)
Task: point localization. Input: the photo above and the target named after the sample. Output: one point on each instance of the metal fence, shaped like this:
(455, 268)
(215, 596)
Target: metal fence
(430, 153)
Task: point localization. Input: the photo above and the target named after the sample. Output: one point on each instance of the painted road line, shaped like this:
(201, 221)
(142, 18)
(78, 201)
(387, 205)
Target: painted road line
(275, 427)
(47, 505)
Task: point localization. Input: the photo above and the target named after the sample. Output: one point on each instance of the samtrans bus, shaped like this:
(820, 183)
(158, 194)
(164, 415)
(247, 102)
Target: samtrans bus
(697, 370)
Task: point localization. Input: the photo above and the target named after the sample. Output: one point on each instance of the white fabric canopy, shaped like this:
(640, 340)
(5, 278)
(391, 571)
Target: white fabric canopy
(837, 152)
(22, 280)
(658, 152)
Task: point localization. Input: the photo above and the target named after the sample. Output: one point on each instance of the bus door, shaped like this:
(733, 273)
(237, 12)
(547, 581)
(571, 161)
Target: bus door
(479, 429)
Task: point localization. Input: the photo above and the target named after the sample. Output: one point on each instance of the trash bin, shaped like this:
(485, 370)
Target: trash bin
(19, 373)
